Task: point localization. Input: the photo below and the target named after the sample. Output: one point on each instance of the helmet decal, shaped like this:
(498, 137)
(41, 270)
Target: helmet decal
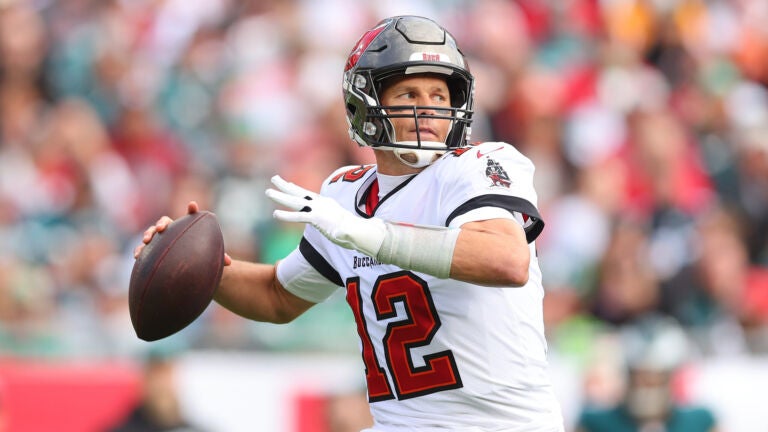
(362, 45)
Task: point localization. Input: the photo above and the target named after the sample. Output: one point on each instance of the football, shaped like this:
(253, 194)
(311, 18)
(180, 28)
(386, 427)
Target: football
(175, 276)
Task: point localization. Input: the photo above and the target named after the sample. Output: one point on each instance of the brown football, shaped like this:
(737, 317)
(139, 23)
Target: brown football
(175, 276)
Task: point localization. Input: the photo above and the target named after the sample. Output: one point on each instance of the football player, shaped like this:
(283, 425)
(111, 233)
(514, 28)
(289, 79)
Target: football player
(434, 246)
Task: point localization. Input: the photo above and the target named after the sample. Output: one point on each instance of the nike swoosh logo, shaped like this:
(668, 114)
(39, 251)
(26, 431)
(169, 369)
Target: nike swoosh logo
(480, 154)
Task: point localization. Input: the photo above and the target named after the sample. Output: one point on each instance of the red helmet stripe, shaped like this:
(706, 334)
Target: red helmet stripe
(362, 45)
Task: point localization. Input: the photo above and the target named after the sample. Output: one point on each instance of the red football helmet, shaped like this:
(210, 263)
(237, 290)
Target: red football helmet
(400, 46)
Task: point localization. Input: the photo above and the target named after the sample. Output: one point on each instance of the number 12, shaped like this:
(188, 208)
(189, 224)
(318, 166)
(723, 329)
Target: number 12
(415, 330)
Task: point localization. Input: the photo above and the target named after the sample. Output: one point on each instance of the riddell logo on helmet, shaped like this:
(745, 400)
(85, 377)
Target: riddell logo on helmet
(430, 57)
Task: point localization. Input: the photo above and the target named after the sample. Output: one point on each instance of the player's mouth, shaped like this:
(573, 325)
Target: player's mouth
(426, 134)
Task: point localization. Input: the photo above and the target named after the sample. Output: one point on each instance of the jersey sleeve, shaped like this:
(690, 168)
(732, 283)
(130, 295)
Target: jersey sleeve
(485, 213)
(308, 271)
(491, 180)
(304, 274)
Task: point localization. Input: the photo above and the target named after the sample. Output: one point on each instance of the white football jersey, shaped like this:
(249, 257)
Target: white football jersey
(440, 354)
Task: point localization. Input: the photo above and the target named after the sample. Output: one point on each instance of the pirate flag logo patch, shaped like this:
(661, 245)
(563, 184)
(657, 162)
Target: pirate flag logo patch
(496, 174)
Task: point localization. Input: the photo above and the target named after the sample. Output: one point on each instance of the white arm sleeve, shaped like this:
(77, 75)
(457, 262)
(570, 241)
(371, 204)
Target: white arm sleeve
(299, 278)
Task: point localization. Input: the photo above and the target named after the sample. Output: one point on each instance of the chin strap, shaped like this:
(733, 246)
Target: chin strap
(417, 158)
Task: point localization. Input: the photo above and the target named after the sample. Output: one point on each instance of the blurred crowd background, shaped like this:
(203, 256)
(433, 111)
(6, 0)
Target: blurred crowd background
(647, 121)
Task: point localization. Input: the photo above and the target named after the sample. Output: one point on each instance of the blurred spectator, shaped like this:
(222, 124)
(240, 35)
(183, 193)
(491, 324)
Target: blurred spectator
(27, 308)
(159, 409)
(752, 195)
(654, 351)
(665, 169)
(581, 225)
(717, 297)
(23, 94)
(155, 156)
(627, 286)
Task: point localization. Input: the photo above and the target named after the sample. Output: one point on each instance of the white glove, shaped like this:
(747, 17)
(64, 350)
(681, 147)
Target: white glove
(333, 221)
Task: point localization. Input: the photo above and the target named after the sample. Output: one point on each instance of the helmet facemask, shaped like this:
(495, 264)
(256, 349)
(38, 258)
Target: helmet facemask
(419, 152)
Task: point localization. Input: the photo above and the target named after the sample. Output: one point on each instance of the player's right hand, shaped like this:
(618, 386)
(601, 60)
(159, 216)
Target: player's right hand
(161, 225)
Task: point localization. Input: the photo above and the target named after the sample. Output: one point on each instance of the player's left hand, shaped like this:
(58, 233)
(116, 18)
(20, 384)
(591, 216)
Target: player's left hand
(333, 221)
